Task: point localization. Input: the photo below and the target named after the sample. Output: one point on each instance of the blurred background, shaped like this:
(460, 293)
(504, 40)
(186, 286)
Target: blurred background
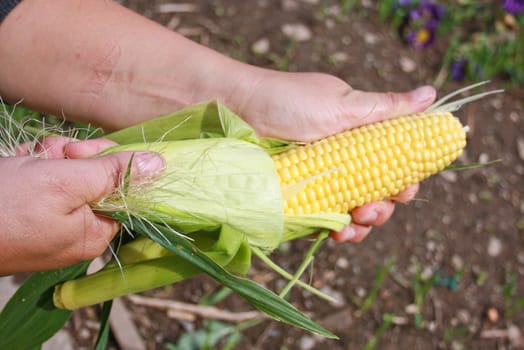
(447, 272)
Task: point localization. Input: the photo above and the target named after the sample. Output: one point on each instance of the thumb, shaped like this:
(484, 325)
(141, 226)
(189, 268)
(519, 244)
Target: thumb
(98, 177)
(371, 107)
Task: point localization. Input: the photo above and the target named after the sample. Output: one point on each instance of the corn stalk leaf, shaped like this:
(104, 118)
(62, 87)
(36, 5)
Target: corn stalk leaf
(144, 264)
(30, 317)
(263, 299)
(103, 335)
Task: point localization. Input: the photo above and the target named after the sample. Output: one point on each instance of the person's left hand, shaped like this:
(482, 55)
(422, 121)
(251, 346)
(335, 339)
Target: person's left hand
(311, 106)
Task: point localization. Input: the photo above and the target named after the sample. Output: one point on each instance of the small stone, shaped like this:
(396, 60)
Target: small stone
(407, 64)
(463, 316)
(431, 246)
(261, 46)
(307, 342)
(361, 292)
(457, 345)
(296, 31)
(411, 309)
(450, 176)
(520, 147)
(494, 247)
(342, 262)
(84, 333)
(514, 117)
(457, 262)
(290, 5)
(483, 158)
(338, 297)
(370, 38)
(339, 57)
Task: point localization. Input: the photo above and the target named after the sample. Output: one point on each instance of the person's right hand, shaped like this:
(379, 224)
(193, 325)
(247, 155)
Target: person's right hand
(45, 212)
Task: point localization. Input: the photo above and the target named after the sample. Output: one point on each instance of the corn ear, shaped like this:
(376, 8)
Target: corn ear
(366, 164)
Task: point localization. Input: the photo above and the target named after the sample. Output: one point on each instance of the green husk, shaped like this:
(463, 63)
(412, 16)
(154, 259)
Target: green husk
(208, 183)
(143, 264)
(196, 123)
(203, 120)
(219, 193)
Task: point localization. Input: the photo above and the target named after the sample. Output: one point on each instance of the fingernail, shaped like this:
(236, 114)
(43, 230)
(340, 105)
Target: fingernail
(368, 218)
(348, 233)
(148, 163)
(423, 94)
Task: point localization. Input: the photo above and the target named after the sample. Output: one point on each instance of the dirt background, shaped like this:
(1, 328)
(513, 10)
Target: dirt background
(467, 224)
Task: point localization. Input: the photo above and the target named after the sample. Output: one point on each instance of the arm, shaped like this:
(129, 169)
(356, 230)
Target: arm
(96, 61)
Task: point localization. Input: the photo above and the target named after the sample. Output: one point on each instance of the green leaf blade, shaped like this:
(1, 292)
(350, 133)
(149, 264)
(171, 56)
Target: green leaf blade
(263, 299)
(30, 317)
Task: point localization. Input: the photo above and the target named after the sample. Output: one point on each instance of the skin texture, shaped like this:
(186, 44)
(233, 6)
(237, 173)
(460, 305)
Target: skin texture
(98, 62)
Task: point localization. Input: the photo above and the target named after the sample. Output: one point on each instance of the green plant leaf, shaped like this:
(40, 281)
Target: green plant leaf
(30, 317)
(103, 334)
(263, 299)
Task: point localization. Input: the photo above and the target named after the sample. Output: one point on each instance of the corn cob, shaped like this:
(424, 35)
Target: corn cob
(367, 164)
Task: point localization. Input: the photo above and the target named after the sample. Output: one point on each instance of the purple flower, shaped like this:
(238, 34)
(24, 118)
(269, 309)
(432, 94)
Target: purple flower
(514, 6)
(420, 25)
(458, 69)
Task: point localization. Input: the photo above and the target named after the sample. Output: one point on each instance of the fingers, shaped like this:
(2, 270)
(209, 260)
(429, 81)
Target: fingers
(351, 233)
(371, 107)
(49, 148)
(371, 215)
(406, 195)
(88, 148)
(97, 232)
(58, 147)
(98, 177)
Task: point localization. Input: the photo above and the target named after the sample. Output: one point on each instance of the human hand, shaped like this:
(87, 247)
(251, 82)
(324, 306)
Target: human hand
(45, 214)
(311, 106)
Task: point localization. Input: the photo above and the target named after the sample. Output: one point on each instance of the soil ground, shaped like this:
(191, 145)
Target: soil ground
(467, 227)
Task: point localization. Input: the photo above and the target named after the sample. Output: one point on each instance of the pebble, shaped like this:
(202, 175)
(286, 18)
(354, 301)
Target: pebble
(307, 342)
(342, 262)
(339, 57)
(457, 262)
(296, 31)
(520, 147)
(483, 158)
(361, 292)
(261, 46)
(411, 309)
(494, 247)
(290, 5)
(370, 38)
(407, 64)
(457, 345)
(514, 117)
(463, 316)
(450, 176)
